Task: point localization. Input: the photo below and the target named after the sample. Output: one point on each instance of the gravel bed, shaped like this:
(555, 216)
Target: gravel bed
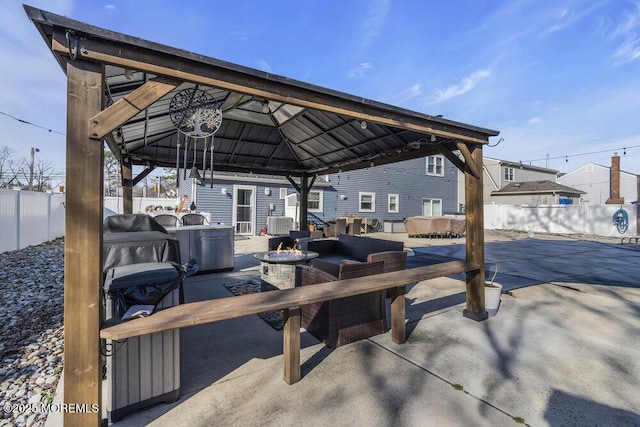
(31, 336)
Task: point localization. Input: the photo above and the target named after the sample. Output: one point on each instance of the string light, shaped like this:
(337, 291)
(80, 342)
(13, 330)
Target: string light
(582, 154)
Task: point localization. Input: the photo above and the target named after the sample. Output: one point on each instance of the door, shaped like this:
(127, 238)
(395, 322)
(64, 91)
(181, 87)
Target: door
(244, 207)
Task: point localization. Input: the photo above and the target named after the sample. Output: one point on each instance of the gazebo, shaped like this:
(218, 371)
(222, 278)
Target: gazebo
(142, 98)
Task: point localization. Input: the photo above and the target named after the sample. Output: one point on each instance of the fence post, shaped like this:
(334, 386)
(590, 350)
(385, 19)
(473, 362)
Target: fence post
(18, 222)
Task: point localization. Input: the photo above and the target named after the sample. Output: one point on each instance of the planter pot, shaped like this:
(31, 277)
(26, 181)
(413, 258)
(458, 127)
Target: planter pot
(492, 297)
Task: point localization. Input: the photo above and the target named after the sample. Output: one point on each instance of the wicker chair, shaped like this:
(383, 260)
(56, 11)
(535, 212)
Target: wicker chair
(166, 220)
(193, 219)
(345, 320)
(354, 227)
(393, 261)
(334, 229)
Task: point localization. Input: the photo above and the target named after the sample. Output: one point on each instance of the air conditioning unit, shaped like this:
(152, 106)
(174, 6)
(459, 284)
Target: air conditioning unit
(279, 225)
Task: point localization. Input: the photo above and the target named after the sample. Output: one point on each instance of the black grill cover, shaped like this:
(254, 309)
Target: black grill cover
(144, 283)
(138, 247)
(126, 223)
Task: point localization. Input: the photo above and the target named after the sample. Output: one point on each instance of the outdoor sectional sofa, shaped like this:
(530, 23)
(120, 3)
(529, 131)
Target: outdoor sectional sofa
(333, 252)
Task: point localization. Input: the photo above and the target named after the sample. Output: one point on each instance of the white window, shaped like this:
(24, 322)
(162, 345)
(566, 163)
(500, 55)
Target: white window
(314, 201)
(367, 202)
(435, 165)
(508, 174)
(283, 193)
(393, 203)
(431, 207)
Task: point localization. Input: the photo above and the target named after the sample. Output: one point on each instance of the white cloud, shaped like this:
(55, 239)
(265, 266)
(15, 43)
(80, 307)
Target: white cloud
(406, 94)
(465, 85)
(110, 6)
(628, 30)
(375, 16)
(359, 72)
(264, 66)
(535, 120)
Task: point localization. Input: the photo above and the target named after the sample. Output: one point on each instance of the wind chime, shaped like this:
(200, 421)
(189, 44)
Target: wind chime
(197, 116)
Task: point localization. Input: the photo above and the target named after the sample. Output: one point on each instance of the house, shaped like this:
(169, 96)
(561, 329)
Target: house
(500, 173)
(245, 200)
(599, 183)
(419, 187)
(424, 186)
(536, 193)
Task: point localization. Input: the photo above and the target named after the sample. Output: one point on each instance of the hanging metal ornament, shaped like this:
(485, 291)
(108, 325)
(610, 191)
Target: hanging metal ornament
(195, 113)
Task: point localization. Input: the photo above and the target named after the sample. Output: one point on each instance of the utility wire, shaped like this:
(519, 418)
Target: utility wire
(31, 124)
(582, 154)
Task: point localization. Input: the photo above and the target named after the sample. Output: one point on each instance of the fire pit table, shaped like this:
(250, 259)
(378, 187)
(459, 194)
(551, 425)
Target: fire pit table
(278, 268)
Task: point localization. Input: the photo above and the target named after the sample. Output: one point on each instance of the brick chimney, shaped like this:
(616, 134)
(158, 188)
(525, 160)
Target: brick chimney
(614, 182)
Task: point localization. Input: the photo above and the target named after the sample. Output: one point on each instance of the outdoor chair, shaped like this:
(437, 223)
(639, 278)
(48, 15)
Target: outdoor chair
(354, 227)
(193, 219)
(393, 261)
(166, 220)
(345, 320)
(334, 229)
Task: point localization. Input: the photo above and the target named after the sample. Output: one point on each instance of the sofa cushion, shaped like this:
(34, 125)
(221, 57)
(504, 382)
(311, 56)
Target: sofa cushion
(324, 247)
(358, 248)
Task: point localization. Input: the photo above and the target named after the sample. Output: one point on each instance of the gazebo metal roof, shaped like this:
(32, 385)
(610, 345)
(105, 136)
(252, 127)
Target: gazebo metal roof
(306, 128)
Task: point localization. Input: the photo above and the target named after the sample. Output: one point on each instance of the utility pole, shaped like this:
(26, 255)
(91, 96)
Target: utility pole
(33, 154)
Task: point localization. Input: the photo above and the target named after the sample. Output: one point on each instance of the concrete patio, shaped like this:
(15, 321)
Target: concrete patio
(562, 349)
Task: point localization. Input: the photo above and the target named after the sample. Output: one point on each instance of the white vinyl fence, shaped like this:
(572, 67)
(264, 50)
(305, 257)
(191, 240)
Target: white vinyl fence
(29, 218)
(594, 220)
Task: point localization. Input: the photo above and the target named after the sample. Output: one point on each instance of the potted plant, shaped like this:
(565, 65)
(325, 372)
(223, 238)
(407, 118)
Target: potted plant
(492, 292)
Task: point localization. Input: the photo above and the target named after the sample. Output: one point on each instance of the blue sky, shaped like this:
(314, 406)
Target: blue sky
(555, 77)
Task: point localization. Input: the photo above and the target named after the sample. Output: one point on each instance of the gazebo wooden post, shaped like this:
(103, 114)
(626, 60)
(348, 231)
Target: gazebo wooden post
(83, 247)
(304, 197)
(127, 188)
(474, 214)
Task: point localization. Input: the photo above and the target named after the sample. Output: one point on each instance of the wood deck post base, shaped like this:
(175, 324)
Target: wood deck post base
(398, 326)
(478, 317)
(291, 345)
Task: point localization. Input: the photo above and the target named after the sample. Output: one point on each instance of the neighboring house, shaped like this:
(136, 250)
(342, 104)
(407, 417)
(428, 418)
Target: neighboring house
(595, 180)
(536, 193)
(418, 187)
(499, 173)
(245, 201)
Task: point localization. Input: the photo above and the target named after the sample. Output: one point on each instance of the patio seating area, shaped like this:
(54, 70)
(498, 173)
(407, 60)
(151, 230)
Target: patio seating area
(560, 351)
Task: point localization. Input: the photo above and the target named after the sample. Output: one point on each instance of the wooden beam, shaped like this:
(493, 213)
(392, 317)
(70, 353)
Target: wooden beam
(474, 168)
(398, 327)
(128, 107)
(304, 198)
(197, 313)
(474, 214)
(83, 246)
(127, 187)
(293, 183)
(113, 146)
(143, 174)
(454, 159)
(291, 344)
(163, 64)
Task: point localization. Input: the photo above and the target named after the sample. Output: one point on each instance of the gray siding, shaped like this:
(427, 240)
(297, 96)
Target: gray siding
(594, 180)
(406, 179)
